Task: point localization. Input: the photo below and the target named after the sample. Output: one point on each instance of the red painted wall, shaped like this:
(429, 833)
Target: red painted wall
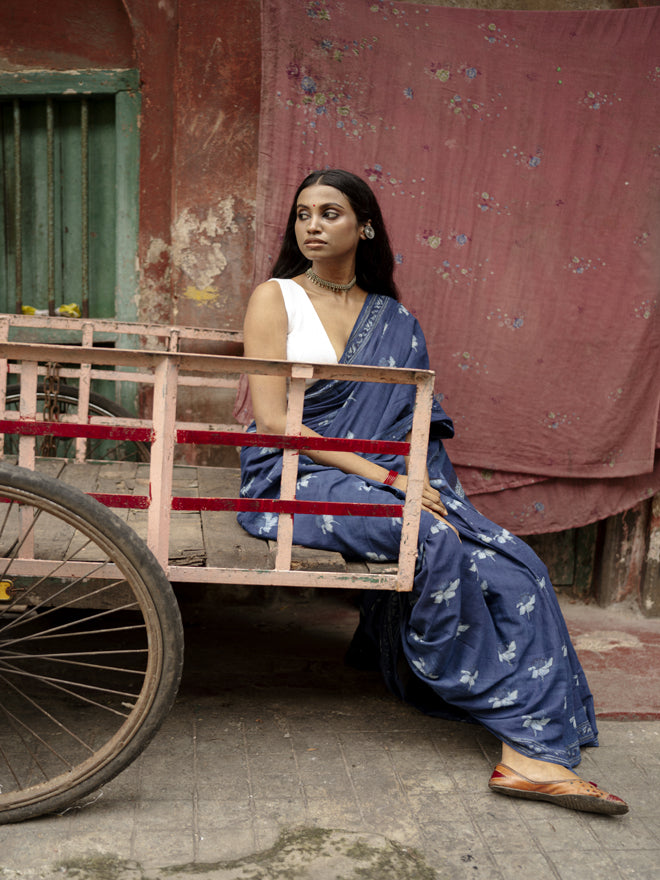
(199, 64)
(218, 71)
(64, 35)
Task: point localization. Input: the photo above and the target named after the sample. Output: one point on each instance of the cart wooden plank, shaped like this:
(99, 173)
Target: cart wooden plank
(227, 544)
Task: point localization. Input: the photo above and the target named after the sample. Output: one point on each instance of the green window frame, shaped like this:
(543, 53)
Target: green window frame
(69, 191)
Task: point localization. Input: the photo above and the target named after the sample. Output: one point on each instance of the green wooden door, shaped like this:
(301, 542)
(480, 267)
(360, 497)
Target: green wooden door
(69, 192)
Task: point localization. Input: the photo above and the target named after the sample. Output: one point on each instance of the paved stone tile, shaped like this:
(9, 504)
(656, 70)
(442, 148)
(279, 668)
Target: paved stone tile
(432, 807)
(453, 836)
(158, 848)
(465, 864)
(517, 864)
(431, 783)
(221, 771)
(337, 812)
(639, 864)
(505, 836)
(559, 826)
(157, 815)
(572, 862)
(279, 813)
(233, 840)
(223, 810)
(503, 809)
(623, 833)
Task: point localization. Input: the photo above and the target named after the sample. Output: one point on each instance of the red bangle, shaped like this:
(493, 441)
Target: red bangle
(390, 478)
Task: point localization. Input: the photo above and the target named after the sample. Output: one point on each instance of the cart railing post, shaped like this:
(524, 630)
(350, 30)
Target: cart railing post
(299, 374)
(28, 410)
(416, 474)
(162, 458)
(84, 384)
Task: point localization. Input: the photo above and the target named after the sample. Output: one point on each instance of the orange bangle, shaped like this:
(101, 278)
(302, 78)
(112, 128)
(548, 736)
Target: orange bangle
(390, 478)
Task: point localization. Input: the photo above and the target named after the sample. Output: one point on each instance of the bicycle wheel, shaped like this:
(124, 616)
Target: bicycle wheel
(91, 644)
(65, 447)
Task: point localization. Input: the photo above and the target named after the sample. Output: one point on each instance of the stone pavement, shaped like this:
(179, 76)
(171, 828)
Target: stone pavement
(279, 761)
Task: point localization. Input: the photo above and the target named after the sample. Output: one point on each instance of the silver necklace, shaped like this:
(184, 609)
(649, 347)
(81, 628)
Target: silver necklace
(330, 285)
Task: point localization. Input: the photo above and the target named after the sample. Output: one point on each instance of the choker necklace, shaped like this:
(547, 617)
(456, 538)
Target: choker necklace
(330, 285)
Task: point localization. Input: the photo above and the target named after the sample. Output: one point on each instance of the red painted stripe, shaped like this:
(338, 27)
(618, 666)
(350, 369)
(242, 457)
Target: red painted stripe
(206, 438)
(282, 441)
(135, 502)
(261, 505)
(75, 429)
(270, 505)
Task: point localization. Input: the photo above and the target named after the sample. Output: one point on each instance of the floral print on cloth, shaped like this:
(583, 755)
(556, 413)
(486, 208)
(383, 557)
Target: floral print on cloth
(516, 156)
(482, 631)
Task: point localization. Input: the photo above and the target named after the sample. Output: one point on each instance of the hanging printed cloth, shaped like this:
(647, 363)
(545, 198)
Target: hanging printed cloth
(516, 156)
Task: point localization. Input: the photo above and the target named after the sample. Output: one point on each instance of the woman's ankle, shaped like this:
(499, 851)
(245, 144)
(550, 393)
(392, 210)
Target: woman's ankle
(533, 768)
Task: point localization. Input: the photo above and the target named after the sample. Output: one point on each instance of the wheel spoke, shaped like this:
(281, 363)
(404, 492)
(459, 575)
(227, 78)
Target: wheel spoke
(29, 612)
(66, 628)
(65, 685)
(89, 664)
(40, 709)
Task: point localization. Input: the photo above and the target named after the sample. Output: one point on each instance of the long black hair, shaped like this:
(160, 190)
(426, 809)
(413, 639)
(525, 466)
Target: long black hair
(374, 259)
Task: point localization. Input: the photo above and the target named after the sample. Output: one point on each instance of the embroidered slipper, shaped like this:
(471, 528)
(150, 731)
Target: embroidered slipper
(575, 794)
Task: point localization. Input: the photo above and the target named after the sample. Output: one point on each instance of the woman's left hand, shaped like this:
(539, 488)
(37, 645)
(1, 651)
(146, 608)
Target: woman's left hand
(431, 500)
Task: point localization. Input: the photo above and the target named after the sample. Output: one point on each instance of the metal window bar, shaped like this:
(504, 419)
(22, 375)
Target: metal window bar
(84, 207)
(18, 208)
(50, 189)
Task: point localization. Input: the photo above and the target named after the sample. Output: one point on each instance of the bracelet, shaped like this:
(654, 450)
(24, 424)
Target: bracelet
(390, 478)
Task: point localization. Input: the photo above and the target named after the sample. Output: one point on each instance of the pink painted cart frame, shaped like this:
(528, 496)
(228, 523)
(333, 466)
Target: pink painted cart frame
(154, 359)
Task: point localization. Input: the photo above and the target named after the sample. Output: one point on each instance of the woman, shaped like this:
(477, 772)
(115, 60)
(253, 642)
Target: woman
(482, 632)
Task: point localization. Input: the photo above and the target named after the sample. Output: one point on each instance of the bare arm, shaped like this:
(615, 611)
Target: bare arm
(264, 335)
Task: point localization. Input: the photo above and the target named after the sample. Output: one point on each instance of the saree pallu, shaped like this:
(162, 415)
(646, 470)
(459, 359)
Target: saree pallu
(481, 634)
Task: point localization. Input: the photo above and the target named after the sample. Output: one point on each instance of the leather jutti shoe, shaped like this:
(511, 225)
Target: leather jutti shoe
(574, 794)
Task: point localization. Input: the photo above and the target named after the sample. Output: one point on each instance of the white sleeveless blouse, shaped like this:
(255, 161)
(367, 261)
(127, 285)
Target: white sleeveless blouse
(306, 341)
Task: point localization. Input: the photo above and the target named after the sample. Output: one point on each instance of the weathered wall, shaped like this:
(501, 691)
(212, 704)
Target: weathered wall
(64, 35)
(199, 64)
(217, 89)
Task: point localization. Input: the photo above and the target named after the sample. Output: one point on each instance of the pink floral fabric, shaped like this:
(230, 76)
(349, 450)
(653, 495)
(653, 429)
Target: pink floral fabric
(516, 156)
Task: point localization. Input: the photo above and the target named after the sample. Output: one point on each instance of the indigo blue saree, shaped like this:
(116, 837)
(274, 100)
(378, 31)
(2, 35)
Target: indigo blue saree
(481, 635)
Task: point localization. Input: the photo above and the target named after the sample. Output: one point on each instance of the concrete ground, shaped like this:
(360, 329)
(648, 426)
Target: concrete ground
(278, 761)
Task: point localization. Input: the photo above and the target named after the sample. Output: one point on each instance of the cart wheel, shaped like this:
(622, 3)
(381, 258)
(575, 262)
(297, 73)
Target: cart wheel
(91, 645)
(65, 447)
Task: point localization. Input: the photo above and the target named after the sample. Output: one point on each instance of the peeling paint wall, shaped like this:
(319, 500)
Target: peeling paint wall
(198, 256)
(217, 117)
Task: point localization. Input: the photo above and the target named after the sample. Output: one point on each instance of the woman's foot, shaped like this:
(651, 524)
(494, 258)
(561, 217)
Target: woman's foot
(571, 792)
(520, 776)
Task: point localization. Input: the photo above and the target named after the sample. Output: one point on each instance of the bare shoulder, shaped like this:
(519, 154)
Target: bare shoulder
(265, 325)
(267, 298)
